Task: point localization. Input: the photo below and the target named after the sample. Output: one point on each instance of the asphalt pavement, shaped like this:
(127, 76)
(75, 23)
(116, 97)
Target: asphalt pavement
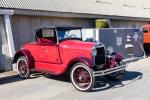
(134, 86)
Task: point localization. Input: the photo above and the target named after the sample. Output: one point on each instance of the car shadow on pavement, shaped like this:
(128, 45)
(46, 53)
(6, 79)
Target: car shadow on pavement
(10, 79)
(16, 78)
(129, 78)
(62, 78)
(101, 83)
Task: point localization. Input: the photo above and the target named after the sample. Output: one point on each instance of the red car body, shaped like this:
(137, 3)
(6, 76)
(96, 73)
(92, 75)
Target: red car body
(57, 51)
(56, 58)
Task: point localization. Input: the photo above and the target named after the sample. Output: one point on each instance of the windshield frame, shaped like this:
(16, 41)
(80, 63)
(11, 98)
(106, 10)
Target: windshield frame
(67, 29)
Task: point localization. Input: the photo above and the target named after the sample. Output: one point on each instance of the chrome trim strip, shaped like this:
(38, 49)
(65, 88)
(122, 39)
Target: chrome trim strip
(132, 59)
(109, 71)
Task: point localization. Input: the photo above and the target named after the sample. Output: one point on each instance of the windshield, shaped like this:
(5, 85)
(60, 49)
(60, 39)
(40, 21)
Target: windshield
(89, 35)
(69, 34)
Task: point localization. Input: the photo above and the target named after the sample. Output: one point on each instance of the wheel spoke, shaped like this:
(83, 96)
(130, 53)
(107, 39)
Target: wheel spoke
(82, 77)
(22, 68)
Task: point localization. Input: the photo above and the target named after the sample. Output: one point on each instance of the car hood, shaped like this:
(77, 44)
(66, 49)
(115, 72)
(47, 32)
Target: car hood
(75, 44)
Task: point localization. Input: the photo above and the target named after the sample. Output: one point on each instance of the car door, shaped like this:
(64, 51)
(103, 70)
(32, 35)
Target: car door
(49, 53)
(47, 46)
(48, 58)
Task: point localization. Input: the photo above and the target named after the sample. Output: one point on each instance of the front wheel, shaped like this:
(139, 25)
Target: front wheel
(23, 68)
(82, 77)
(116, 76)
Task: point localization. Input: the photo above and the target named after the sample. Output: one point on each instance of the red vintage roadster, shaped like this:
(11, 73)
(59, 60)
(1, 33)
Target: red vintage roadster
(60, 50)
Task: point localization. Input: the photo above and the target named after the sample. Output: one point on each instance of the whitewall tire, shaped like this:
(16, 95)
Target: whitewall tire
(82, 77)
(22, 67)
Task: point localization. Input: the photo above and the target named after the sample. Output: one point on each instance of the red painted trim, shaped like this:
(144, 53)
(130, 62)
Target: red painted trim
(118, 57)
(27, 54)
(84, 60)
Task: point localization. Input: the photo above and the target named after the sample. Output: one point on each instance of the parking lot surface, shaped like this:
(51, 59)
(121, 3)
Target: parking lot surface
(134, 86)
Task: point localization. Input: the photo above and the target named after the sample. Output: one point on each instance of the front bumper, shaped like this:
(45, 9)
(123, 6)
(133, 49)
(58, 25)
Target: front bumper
(109, 71)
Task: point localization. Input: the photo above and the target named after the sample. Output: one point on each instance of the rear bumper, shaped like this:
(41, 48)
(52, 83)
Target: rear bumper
(109, 71)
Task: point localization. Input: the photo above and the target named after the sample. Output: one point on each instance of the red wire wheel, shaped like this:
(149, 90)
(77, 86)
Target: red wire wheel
(22, 67)
(82, 77)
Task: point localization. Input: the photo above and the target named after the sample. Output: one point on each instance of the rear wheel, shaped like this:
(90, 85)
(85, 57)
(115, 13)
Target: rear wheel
(23, 68)
(116, 76)
(82, 77)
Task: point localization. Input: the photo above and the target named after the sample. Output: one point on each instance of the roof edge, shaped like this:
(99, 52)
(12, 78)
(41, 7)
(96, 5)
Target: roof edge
(73, 15)
(5, 11)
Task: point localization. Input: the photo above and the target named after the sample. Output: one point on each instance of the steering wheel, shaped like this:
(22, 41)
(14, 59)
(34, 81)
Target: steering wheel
(72, 36)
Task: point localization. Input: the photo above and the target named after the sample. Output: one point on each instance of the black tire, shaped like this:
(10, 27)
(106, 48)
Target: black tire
(117, 76)
(23, 68)
(82, 77)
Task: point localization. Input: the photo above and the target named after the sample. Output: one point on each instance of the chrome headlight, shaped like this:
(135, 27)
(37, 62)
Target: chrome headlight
(110, 49)
(94, 51)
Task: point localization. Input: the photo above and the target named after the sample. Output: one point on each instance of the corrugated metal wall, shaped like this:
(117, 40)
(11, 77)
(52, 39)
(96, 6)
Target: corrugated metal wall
(23, 26)
(23, 30)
